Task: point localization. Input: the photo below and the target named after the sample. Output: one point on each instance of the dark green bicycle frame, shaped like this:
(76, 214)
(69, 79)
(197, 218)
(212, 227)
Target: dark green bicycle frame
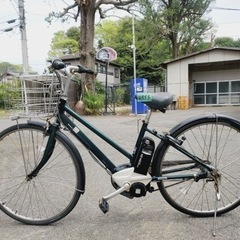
(86, 141)
(76, 131)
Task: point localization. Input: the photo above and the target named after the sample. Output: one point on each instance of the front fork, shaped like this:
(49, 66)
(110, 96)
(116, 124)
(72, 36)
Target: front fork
(51, 130)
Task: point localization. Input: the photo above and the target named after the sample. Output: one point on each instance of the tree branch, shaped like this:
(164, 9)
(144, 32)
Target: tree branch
(101, 13)
(66, 10)
(114, 2)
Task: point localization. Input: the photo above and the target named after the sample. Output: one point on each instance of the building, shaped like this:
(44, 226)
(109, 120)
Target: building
(206, 78)
(113, 69)
(8, 75)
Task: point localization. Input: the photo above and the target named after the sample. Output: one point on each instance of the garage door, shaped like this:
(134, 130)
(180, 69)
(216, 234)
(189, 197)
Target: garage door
(217, 93)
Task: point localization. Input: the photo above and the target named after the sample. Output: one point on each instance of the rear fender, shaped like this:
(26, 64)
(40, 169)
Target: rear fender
(187, 123)
(211, 117)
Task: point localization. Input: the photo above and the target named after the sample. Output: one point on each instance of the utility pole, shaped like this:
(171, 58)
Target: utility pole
(22, 27)
(134, 63)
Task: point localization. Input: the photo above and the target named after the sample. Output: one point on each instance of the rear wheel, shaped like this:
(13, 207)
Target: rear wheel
(54, 191)
(217, 142)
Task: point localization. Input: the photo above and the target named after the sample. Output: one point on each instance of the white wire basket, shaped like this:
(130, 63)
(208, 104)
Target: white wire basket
(35, 96)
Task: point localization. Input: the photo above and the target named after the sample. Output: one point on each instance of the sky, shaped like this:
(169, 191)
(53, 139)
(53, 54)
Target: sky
(40, 33)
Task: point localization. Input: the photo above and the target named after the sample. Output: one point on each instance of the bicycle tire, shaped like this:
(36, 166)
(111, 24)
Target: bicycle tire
(54, 192)
(215, 139)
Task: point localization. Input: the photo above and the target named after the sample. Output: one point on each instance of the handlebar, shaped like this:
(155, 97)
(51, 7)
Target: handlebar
(57, 64)
(59, 68)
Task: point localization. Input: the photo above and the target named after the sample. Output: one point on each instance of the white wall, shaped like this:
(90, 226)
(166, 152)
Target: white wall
(221, 75)
(178, 71)
(177, 78)
(111, 79)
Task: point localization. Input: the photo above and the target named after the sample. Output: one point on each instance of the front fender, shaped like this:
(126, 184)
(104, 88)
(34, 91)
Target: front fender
(69, 142)
(37, 123)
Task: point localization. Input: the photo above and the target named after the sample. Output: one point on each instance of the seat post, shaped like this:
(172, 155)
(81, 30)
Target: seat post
(148, 115)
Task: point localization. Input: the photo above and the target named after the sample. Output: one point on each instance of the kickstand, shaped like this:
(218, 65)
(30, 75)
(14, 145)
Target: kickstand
(218, 198)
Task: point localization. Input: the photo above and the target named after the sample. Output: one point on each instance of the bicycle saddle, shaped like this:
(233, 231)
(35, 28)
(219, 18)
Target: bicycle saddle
(158, 101)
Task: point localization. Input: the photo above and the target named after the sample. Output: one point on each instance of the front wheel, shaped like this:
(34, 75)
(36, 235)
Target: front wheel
(54, 191)
(215, 140)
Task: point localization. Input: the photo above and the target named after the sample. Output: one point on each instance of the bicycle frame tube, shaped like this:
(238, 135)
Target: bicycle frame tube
(174, 143)
(98, 153)
(197, 160)
(86, 141)
(141, 134)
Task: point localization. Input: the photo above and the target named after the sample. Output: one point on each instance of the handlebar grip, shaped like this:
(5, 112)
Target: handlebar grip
(58, 64)
(82, 69)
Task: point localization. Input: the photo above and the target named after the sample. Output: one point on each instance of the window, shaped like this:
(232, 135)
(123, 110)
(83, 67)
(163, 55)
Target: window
(235, 98)
(199, 99)
(223, 87)
(235, 92)
(199, 88)
(211, 99)
(224, 92)
(102, 68)
(211, 93)
(223, 97)
(96, 67)
(211, 87)
(235, 86)
(116, 72)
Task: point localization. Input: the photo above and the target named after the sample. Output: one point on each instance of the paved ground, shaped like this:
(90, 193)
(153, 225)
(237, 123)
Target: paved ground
(143, 218)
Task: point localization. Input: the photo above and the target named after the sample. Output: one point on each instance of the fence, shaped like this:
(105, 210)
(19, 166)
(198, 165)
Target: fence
(121, 95)
(37, 95)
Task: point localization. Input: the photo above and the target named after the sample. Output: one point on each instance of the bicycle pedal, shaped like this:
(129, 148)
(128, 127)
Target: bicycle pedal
(103, 205)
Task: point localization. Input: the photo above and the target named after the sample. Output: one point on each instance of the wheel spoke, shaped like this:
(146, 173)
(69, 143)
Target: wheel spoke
(50, 195)
(217, 143)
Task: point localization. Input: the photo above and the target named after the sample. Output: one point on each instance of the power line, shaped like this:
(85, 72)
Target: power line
(8, 29)
(15, 8)
(9, 21)
(226, 9)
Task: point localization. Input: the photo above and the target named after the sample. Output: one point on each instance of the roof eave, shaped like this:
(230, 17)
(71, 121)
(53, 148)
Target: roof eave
(164, 65)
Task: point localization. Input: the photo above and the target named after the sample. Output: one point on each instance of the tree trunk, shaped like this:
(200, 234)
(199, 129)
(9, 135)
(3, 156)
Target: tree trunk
(175, 45)
(86, 41)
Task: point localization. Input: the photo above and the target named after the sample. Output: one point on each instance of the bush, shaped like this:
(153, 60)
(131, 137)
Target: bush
(93, 103)
(119, 96)
(10, 93)
(122, 95)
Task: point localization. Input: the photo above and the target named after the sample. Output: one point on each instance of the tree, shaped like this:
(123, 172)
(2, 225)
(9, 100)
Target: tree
(63, 43)
(118, 35)
(87, 9)
(226, 42)
(180, 21)
(73, 33)
(151, 51)
(6, 66)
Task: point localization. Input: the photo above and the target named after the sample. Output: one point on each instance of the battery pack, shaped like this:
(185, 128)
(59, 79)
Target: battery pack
(144, 156)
